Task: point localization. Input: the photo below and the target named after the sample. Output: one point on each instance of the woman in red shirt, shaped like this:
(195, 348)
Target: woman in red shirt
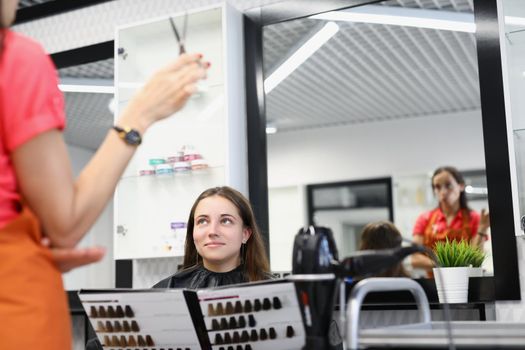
(452, 219)
(39, 196)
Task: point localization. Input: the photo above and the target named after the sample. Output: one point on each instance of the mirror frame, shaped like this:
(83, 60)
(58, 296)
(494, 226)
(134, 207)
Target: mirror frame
(504, 285)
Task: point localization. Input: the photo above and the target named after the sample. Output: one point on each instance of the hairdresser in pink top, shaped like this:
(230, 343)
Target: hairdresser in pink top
(40, 201)
(452, 219)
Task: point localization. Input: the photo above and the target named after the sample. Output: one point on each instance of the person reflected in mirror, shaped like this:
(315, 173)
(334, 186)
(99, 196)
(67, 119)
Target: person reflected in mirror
(223, 243)
(383, 235)
(39, 196)
(452, 219)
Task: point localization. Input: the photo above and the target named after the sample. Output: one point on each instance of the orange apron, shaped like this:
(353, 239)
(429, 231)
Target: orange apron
(34, 312)
(431, 235)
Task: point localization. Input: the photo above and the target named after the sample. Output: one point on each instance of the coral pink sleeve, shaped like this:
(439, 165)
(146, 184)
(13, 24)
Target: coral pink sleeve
(474, 223)
(34, 103)
(421, 224)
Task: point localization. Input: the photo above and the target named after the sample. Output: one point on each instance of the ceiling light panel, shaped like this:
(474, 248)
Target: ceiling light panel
(279, 38)
(307, 48)
(407, 17)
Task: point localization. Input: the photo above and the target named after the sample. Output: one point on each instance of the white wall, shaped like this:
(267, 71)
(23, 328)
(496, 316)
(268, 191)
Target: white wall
(514, 311)
(410, 146)
(287, 212)
(99, 275)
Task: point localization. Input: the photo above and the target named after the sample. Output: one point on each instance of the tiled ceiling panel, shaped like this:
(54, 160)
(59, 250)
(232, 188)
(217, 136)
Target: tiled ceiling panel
(280, 39)
(365, 73)
(370, 73)
(94, 24)
(88, 119)
(447, 5)
(96, 70)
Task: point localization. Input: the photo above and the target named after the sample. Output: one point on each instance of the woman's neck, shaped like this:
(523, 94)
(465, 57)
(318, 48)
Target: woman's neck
(450, 210)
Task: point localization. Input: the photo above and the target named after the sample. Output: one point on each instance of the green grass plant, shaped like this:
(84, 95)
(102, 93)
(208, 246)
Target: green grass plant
(458, 254)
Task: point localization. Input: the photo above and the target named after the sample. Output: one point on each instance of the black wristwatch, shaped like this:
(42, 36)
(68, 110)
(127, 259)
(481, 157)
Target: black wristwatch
(129, 135)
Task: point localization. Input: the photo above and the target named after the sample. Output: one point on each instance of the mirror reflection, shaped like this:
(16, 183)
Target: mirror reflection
(373, 92)
(348, 207)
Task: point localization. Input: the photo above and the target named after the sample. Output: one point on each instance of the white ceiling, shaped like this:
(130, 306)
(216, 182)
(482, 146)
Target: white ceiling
(369, 73)
(365, 73)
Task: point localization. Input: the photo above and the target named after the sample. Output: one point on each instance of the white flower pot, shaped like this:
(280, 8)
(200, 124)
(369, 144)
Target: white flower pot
(452, 284)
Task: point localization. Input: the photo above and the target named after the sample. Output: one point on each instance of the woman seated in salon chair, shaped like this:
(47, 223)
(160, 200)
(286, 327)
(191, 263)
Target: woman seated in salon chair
(383, 235)
(223, 245)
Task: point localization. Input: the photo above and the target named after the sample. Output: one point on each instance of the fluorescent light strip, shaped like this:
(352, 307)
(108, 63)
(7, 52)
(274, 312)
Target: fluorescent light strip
(271, 129)
(408, 17)
(515, 21)
(92, 89)
(301, 55)
(476, 190)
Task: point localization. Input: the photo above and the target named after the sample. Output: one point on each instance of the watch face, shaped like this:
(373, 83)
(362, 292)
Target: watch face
(133, 137)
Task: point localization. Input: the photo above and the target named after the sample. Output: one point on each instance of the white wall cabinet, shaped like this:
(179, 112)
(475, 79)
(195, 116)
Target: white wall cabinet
(153, 200)
(512, 39)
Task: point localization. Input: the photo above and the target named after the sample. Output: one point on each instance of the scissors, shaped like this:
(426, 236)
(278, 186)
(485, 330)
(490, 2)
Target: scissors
(180, 39)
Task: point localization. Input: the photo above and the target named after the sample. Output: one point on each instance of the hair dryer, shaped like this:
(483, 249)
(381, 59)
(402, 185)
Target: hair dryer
(315, 252)
(370, 262)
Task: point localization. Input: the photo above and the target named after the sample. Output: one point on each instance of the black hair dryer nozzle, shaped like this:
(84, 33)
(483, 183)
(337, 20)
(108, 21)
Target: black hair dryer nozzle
(315, 252)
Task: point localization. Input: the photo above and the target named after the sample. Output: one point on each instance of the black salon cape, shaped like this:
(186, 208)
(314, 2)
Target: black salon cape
(195, 277)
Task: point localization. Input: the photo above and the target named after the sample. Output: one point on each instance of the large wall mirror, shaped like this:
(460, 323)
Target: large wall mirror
(361, 90)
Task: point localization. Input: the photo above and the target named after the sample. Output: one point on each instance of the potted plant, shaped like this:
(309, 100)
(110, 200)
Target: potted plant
(477, 258)
(455, 259)
(458, 254)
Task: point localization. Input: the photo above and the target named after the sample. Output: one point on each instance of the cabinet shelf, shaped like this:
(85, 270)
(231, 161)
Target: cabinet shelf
(175, 176)
(150, 211)
(134, 85)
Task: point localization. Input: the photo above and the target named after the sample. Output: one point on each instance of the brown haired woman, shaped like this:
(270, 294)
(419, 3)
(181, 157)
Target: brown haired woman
(452, 219)
(383, 235)
(223, 243)
(39, 196)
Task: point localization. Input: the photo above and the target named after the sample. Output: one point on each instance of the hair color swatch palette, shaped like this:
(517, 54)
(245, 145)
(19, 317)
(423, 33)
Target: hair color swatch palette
(256, 316)
(141, 319)
(253, 316)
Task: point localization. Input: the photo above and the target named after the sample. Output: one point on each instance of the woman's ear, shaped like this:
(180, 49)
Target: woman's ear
(246, 234)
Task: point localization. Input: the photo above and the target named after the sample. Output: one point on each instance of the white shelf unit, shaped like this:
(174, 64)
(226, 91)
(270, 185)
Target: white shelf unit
(213, 122)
